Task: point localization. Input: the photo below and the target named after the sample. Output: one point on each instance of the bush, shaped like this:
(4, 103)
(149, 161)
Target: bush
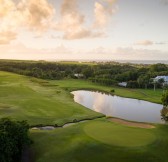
(112, 91)
(13, 139)
(75, 120)
(164, 113)
(164, 98)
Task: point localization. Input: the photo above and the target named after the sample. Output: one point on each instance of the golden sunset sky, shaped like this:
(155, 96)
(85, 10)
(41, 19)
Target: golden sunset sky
(84, 29)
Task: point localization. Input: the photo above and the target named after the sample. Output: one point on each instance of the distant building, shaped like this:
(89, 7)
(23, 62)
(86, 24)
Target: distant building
(165, 78)
(122, 84)
(79, 75)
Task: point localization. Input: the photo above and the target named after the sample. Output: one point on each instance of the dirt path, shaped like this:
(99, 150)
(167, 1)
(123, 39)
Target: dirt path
(132, 124)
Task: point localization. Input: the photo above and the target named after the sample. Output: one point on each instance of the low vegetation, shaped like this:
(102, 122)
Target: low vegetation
(136, 76)
(164, 111)
(13, 139)
(165, 98)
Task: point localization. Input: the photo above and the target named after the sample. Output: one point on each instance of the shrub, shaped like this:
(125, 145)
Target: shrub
(75, 120)
(13, 139)
(164, 98)
(112, 91)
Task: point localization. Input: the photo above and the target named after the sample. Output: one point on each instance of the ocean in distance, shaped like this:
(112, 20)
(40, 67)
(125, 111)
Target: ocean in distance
(119, 61)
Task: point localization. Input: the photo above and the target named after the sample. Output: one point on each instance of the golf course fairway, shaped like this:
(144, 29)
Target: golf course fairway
(45, 102)
(38, 101)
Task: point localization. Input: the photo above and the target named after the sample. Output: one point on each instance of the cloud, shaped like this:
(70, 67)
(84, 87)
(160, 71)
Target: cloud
(61, 52)
(32, 15)
(103, 12)
(21, 52)
(149, 43)
(7, 21)
(71, 20)
(161, 43)
(100, 15)
(72, 23)
(5, 7)
(100, 51)
(7, 36)
(121, 53)
(165, 2)
(144, 43)
(39, 16)
(140, 54)
(83, 33)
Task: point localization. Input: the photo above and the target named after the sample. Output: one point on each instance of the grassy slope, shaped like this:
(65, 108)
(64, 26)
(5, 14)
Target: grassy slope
(38, 102)
(42, 102)
(72, 144)
(143, 94)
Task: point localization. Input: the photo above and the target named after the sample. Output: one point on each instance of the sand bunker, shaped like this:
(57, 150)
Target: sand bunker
(132, 124)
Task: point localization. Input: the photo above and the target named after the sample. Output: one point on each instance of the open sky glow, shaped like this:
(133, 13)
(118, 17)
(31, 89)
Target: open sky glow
(84, 29)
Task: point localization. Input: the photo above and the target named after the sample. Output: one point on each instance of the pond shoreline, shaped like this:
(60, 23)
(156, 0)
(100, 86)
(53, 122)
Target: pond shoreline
(52, 127)
(120, 107)
(120, 121)
(114, 93)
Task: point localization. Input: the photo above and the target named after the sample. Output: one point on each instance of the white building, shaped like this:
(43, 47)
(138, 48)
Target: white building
(122, 84)
(165, 78)
(79, 75)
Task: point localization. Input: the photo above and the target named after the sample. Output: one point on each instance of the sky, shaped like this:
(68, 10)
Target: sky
(84, 29)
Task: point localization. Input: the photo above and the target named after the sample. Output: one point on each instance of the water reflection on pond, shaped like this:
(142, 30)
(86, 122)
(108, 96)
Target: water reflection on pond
(125, 108)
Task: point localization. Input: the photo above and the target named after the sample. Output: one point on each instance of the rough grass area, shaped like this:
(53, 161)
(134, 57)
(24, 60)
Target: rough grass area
(73, 144)
(38, 101)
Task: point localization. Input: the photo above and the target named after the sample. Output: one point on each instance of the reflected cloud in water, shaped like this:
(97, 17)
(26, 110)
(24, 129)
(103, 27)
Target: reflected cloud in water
(125, 108)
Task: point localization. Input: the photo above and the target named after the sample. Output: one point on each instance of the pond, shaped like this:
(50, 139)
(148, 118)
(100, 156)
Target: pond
(120, 107)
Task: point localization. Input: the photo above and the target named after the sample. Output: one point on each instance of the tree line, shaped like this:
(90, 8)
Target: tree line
(136, 76)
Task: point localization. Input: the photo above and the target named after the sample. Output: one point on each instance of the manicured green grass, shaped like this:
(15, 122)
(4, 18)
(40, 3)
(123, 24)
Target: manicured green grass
(73, 144)
(143, 94)
(50, 102)
(114, 134)
(38, 102)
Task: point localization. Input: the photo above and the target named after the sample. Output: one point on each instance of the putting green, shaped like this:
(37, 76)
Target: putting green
(115, 134)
